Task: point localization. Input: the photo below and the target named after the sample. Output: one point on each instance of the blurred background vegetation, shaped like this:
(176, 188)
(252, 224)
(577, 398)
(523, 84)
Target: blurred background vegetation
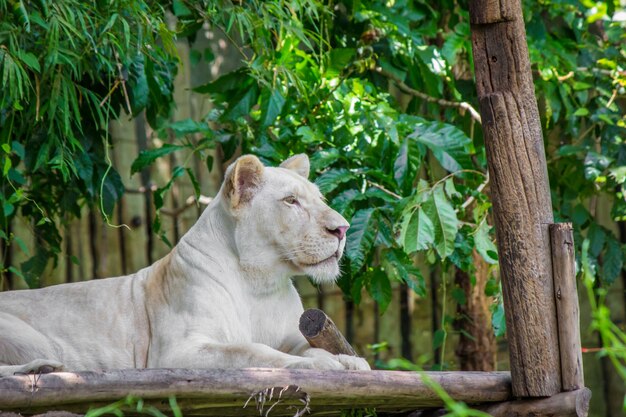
(118, 118)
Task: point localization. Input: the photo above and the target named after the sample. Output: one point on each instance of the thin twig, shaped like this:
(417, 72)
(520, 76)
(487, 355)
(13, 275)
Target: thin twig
(480, 189)
(142, 190)
(612, 99)
(115, 85)
(383, 189)
(461, 105)
(123, 80)
(190, 202)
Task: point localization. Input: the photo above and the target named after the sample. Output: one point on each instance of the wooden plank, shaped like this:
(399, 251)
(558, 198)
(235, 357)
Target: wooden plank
(224, 392)
(520, 193)
(565, 404)
(567, 309)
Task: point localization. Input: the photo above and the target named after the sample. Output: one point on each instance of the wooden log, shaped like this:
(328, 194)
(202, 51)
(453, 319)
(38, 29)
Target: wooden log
(565, 404)
(520, 193)
(567, 310)
(321, 332)
(224, 392)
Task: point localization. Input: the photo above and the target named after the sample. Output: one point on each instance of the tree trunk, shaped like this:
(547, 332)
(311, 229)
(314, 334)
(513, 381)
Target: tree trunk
(520, 193)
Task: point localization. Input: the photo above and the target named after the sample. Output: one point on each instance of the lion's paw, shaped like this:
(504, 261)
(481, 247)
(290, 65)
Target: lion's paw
(320, 363)
(42, 366)
(353, 362)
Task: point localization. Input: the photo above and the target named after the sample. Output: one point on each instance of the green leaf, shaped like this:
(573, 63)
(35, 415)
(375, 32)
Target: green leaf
(147, 157)
(401, 164)
(498, 320)
(444, 221)
(271, 106)
(360, 236)
(235, 80)
(180, 10)
(405, 271)
(309, 135)
(187, 126)
(418, 233)
(344, 199)
(447, 143)
(16, 272)
(8, 209)
(209, 163)
(332, 178)
(19, 150)
(112, 190)
(6, 166)
(242, 105)
(22, 245)
(458, 295)
(29, 60)
(613, 261)
(484, 245)
(158, 194)
(323, 158)
(338, 60)
(597, 238)
(194, 182)
(438, 338)
(379, 288)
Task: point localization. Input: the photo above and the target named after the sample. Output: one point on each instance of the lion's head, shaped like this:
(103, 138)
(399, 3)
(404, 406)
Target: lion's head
(281, 220)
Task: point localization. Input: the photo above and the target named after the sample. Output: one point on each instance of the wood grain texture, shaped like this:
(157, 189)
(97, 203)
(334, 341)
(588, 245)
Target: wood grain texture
(565, 404)
(521, 195)
(491, 11)
(321, 332)
(224, 392)
(567, 309)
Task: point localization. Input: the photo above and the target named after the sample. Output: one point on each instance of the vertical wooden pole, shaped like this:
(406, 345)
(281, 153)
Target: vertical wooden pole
(520, 193)
(406, 347)
(568, 314)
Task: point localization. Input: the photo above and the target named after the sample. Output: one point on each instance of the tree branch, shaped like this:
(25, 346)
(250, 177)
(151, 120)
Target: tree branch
(405, 88)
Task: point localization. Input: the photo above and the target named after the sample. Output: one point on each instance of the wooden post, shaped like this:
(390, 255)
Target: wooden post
(520, 193)
(568, 314)
(321, 332)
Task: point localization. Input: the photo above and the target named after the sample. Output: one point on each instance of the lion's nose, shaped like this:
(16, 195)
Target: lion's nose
(340, 231)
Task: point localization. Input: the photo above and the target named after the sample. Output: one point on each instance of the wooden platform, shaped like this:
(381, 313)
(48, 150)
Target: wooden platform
(249, 392)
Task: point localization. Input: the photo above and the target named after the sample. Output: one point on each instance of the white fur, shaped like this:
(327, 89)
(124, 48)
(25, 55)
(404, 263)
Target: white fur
(223, 298)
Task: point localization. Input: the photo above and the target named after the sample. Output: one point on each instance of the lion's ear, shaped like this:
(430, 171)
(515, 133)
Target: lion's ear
(242, 179)
(298, 163)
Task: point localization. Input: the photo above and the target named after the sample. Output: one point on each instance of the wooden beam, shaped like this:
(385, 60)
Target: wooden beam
(568, 314)
(565, 404)
(520, 193)
(321, 332)
(224, 392)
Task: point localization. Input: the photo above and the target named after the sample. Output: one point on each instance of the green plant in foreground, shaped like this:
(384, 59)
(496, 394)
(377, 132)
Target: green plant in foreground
(137, 405)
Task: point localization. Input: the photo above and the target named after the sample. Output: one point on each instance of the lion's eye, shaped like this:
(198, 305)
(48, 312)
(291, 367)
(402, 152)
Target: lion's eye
(291, 200)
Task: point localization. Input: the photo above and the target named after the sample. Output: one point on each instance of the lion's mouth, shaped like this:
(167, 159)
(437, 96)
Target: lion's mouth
(333, 257)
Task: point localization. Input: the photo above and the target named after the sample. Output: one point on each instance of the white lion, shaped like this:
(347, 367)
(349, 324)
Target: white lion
(222, 298)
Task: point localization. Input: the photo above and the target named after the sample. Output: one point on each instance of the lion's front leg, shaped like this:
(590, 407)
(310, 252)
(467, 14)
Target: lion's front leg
(247, 355)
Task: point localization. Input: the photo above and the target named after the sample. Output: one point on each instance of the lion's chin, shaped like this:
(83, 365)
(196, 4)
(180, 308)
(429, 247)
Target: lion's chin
(325, 271)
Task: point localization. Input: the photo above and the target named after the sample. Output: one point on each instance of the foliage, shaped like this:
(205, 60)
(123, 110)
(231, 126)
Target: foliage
(68, 68)
(328, 99)
(407, 167)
